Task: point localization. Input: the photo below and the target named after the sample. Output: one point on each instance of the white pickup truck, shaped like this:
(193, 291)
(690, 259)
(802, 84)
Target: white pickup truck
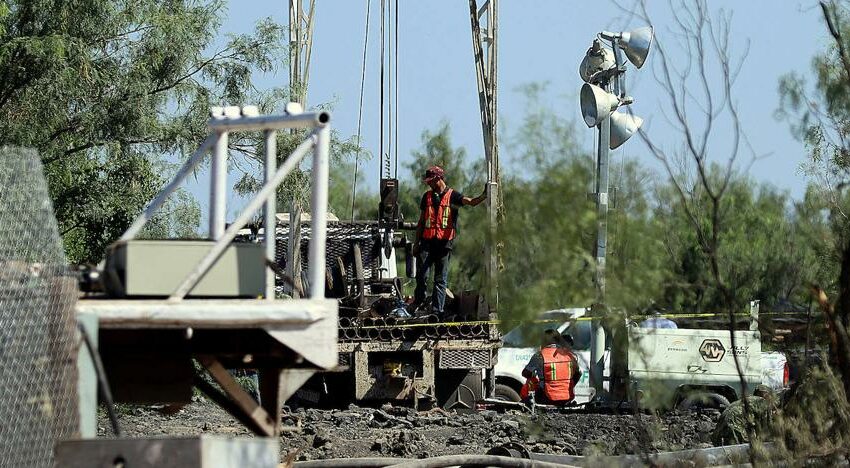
(667, 367)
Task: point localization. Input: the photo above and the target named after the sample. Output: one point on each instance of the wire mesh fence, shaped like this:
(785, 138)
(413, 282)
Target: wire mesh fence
(38, 384)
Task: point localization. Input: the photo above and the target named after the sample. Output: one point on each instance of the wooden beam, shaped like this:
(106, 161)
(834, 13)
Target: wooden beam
(244, 402)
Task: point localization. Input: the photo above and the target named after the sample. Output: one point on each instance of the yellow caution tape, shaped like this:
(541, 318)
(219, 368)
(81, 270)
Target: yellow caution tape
(577, 319)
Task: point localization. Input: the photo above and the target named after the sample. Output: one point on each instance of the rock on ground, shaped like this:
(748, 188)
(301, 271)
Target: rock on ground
(397, 431)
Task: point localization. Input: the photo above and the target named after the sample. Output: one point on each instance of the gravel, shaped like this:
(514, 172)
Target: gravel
(398, 431)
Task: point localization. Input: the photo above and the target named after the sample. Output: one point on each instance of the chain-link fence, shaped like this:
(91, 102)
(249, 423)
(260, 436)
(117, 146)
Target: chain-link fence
(38, 384)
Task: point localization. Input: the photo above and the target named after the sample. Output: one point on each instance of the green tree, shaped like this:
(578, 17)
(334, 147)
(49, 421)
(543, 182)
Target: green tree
(104, 89)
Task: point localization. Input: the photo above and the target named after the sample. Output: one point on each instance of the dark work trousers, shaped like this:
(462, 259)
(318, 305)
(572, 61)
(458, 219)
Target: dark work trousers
(434, 255)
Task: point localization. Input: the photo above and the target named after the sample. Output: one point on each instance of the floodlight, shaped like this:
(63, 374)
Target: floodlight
(636, 44)
(596, 104)
(623, 126)
(596, 59)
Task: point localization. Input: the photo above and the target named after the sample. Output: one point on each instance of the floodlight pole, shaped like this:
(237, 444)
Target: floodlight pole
(597, 337)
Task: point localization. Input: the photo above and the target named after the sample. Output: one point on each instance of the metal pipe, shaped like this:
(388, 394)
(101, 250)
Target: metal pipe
(476, 460)
(465, 331)
(373, 333)
(432, 318)
(431, 332)
(390, 321)
(350, 333)
(379, 322)
(368, 322)
(350, 463)
(270, 211)
(477, 330)
(166, 192)
(218, 248)
(272, 122)
(396, 333)
(218, 187)
(453, 331)
(409, 334)
(344, 322)
(385, 335)
(319, 207)
(363, 333)
(597, 337)
(442, 330)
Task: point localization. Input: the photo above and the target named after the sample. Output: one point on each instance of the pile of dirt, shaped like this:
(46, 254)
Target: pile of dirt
(398, 431)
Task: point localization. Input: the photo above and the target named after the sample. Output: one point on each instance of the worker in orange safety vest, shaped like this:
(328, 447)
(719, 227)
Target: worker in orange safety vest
(435, 234)
(553, 372)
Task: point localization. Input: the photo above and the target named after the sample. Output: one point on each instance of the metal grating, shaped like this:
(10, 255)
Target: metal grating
(38, 393)
(464, 358)
(340, 240)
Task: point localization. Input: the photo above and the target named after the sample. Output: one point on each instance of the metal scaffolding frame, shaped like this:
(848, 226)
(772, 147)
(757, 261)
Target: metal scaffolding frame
(286, 340)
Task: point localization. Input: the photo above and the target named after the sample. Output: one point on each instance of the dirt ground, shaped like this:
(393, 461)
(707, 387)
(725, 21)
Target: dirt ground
(399, 431)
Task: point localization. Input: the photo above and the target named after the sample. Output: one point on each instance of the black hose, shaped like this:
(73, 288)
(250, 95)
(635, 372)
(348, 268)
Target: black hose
(102, 383)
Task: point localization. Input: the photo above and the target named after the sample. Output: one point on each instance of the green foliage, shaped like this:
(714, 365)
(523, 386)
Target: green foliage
(104, 89)
(772, 248)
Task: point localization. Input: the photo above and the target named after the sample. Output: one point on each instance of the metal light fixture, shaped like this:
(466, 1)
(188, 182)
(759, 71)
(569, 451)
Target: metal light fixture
(623, 126)
(596, 104)
(596, 60)
(635, 43)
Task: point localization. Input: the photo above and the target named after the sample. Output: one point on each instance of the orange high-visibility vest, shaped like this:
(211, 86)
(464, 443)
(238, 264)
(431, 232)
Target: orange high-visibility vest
(558, 374)
(438, 222)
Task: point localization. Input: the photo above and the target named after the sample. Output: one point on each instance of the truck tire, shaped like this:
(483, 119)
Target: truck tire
(506, 393)
(702, 399)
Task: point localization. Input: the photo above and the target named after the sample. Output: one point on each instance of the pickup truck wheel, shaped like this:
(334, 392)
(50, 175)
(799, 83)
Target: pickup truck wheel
(697, 400)
(505, 393)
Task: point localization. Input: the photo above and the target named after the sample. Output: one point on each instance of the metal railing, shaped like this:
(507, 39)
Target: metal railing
(228, 119)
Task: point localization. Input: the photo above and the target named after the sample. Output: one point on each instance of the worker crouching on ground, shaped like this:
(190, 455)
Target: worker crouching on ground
(553, 372)
(435, 236)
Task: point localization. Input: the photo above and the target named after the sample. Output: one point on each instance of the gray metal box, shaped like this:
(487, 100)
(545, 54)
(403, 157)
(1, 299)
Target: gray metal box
(155, 268)
(183, 452)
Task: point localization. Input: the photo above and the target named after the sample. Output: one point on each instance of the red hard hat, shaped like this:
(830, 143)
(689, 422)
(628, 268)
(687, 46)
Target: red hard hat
(433, 173)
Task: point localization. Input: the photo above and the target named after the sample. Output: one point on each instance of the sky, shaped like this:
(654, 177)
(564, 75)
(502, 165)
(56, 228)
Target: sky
(540, 42)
